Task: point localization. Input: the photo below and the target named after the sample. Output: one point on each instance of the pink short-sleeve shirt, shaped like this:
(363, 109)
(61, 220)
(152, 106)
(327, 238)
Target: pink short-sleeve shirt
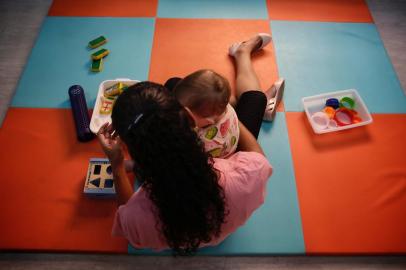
(243, 176)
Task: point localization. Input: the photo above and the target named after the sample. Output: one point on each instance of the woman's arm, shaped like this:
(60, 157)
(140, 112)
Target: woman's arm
(113, 149)
(247, 141)
(129, 165)
(123, 186)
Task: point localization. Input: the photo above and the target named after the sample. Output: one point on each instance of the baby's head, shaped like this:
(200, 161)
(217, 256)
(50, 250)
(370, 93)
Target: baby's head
(205, 95)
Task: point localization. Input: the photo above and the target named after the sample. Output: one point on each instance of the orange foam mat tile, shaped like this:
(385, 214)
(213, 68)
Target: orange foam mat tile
(319, 10)
(43, 168)
(104, 8)
(182, 46)
(351, 185)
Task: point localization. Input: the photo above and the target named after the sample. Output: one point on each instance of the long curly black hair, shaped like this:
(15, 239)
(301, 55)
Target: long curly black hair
(172, 165)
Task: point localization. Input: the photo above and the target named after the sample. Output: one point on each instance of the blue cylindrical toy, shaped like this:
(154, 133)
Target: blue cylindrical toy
(80, 113)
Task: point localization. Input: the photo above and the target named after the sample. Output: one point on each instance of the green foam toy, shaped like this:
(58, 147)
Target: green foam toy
(97, 42)
(100, 54)
(97, 65)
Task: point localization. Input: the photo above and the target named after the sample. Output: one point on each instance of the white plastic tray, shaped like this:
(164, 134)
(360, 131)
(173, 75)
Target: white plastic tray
(316, 103)
(99, 119)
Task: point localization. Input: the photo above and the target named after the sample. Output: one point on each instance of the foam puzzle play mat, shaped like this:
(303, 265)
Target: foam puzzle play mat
(336, 145)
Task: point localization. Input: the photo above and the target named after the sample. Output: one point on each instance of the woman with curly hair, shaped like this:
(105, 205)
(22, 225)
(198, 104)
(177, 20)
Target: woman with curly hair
(186, 198)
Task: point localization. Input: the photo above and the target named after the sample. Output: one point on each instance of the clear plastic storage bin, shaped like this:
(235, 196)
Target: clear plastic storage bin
(315, 104)
(99, 119)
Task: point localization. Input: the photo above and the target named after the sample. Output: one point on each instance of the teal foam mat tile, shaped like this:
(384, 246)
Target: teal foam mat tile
(61, 58)
(316, 58)
(230, 9)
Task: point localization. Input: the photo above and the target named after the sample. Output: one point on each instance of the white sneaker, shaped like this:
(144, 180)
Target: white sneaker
(266, 39)
(274, 97)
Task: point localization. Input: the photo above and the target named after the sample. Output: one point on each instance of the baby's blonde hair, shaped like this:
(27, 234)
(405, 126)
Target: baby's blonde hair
(204, 90)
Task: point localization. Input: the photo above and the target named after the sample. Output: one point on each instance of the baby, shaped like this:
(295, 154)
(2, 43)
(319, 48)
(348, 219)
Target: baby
(206, 95)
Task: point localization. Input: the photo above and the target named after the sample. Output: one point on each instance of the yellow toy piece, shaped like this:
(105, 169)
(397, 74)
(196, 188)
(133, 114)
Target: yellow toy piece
(97, 42)
(115, 90)
(100, 54)
(106, 106)
(97, 65)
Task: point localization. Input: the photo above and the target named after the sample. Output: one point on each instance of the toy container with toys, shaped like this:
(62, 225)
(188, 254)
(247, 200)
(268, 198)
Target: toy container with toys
(108, 92)
(99, 178)
(336, 111)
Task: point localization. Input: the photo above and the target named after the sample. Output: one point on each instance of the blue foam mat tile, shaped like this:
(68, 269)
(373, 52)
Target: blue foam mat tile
(61, 58)
(274, 228)
(316, 58)
(230, 9)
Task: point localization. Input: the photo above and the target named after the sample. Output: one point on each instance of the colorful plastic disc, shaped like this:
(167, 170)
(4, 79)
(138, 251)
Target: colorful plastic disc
(343, 117)
(321, 120)
(356, 119)
(332, 123)
(332, 102)
(347, 102)
(330, 111)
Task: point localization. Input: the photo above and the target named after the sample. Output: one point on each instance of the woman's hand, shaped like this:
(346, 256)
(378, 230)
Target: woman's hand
(112, 147)
(111, 144)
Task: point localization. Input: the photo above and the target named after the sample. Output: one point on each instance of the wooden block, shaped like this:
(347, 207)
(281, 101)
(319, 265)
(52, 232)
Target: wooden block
(99, 178)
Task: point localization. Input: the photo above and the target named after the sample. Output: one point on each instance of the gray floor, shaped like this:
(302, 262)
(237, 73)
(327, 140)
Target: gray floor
(20, 21)
(390, 18)
(14, 261)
